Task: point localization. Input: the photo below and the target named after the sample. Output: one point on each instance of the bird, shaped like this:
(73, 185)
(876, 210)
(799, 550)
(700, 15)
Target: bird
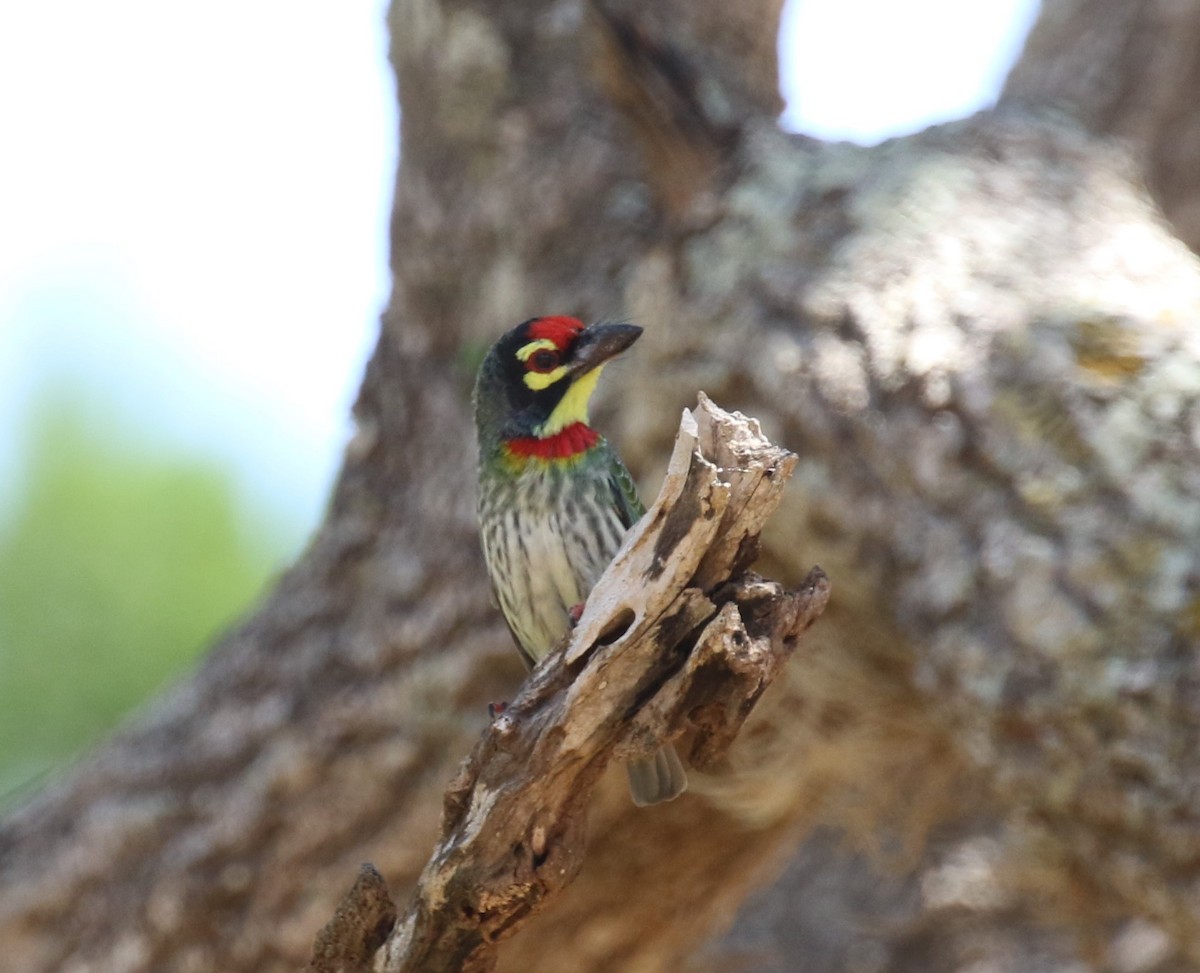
(555, 500)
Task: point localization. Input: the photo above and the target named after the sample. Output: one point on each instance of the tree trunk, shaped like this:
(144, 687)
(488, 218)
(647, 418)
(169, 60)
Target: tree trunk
(979, 340)
(1129, 70)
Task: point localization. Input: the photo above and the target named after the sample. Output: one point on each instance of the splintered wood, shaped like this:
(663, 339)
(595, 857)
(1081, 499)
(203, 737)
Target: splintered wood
(677, 639)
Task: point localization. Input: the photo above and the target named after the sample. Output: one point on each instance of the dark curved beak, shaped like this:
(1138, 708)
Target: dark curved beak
(600, 343)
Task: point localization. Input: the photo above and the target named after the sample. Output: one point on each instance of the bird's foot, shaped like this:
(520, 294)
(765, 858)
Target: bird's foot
(496, 709)
(574, 613)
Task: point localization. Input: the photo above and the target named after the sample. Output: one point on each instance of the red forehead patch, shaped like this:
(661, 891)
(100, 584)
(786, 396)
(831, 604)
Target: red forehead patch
(562, 331)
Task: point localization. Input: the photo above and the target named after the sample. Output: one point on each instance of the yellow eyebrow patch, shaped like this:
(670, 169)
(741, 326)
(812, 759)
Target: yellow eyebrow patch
(525, 351)
(540, 380)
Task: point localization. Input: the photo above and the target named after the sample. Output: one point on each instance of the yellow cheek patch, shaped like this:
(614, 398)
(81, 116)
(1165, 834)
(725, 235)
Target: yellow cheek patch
(573, 407)
(525, 351)
(540, 380)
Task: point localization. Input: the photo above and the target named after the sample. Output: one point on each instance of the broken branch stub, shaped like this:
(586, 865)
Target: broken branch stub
(676, 635)
(358, 928)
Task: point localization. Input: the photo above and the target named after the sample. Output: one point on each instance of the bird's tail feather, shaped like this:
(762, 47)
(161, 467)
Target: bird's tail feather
(656, 779)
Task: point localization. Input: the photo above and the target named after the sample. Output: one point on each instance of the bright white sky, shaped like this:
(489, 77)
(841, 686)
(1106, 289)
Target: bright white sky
(194, 198)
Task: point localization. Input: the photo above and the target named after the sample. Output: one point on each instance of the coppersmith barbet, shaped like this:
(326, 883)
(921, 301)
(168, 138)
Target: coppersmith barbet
(555, 500)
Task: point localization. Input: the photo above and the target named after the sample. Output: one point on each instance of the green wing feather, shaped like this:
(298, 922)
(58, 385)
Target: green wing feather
(625, 493)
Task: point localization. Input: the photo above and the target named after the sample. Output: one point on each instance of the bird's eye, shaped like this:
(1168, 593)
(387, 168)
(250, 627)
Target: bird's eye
(544, 360)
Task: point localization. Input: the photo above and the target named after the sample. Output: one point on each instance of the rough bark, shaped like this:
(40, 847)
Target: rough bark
(1127, 70)
(980, 341)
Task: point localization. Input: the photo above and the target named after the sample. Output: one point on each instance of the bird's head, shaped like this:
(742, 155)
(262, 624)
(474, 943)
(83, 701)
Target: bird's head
(536, 381)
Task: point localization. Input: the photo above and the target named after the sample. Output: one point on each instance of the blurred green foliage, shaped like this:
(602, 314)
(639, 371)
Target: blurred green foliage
(117, 565)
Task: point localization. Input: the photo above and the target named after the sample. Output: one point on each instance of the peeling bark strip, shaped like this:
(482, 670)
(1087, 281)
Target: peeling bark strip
(676, 636)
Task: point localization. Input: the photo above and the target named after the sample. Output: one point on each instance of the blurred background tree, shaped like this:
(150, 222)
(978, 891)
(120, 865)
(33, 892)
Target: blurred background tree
(218, 830)
(119, 561)
(173, 397)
